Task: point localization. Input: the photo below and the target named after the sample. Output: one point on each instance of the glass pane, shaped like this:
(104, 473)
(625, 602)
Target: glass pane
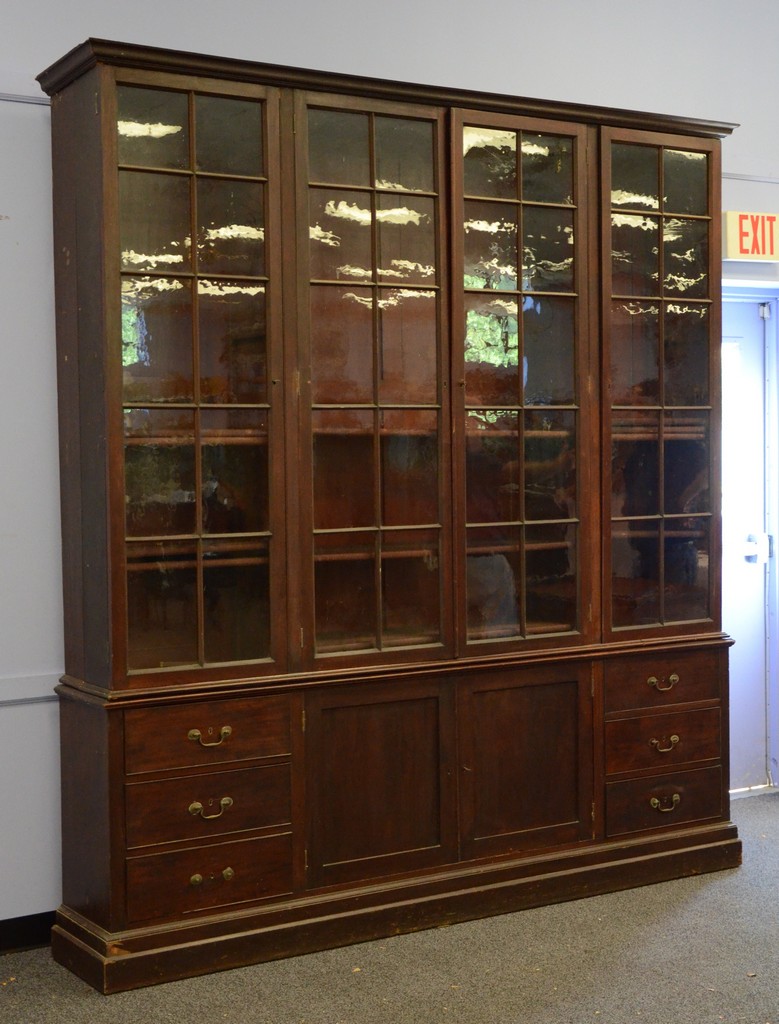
(236, 601)
(635, 255)
(228, 135)
(686, 462)
(235, 470)
(550, 464)
(490, 162)
(635, 342)
(551, 589)
(491, 351)
(686, 253)
(159, 465)
(154, 221)
(157, 340)
(686, 353)
(233, 342)
(345, 592)
(408, 350)
(407, 239)
(491, 257)
(152, 128)
(549, 347)
(343, 469)
(409, 465)
(410, 588)
(492, 583)
(341, 344)
(340, 234)
(635, 465)
(161, 605)
(404, 154)
(492, 466)
(685, 180)
(547, 250)
(634, 177)
(686, 569)
(338, 150)
(547, 168)
(635, 568)
(231, 227)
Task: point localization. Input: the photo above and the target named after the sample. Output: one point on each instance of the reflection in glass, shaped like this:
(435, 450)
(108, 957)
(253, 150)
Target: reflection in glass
(685, 181)
(161, 605)
(491, 350)
(152, 128)
(490, 162)
(492, 582)
(343, 468)
(406, 239)
(550, 464)
(547, 249)
(154, 221)
(228, 135)
(233, 341)
(408, 329)
(635, 567)
(686, 354)
(635, 344)
(686, 564)
(345, 592)
(234, 470)
(410, 588)
(549, 349)
(341, 344)
(159, 472)
(686, 462)
(686, 255)
(490, 244)
(634, 177)
(547, 168)
(231, 227)
(340, 236)
(492, 467)
(635, 260)
(409, 466)
(157, 340)
(338, 147)
(404, 154)
(551, 586)
(635, 466)
(236, 601)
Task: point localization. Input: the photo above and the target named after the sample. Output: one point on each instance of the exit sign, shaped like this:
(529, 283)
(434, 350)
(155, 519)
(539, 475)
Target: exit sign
(750, 236)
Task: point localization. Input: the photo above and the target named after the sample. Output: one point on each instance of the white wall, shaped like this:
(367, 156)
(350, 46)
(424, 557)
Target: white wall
(698, 58)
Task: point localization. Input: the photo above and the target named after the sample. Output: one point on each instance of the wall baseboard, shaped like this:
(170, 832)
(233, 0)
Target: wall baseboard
(26, 932)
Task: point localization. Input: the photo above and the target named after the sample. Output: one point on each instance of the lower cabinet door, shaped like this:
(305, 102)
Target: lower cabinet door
(526, 762)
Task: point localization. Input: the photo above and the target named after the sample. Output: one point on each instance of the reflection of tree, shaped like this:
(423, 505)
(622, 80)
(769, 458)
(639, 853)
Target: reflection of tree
(491, 335)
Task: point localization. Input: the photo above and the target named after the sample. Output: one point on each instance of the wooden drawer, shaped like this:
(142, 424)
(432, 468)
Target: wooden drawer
(666, 801)
(660, 741)
(167, 885)
(665, 678)
(201, 806)
(204, 733)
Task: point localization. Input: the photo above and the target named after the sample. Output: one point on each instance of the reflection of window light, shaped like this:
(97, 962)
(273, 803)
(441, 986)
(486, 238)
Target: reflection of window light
(494, 138)
(139, 130)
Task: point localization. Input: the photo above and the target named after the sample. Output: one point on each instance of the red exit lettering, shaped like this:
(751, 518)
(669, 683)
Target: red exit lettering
(756, 234)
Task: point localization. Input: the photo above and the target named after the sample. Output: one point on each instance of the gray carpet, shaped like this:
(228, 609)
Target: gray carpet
(698, 950)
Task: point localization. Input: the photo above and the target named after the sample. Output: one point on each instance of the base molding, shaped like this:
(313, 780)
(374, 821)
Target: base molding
(114, 962)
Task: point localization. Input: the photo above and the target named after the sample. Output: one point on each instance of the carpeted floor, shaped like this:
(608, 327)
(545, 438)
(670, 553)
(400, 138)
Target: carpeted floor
(694, 951)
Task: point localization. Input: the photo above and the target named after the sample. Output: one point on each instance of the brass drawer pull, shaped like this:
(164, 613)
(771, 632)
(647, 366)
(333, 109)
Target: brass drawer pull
(197, 736)
(657, 804)
(659, 684)
(197, 808)
(228, 875)
(664, 750)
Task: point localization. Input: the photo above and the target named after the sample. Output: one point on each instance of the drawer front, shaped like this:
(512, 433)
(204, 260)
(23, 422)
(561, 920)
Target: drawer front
(663, 802)
(654, 680)
(204, 733)
(167, 885)
(659, 741)
(207, 805)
